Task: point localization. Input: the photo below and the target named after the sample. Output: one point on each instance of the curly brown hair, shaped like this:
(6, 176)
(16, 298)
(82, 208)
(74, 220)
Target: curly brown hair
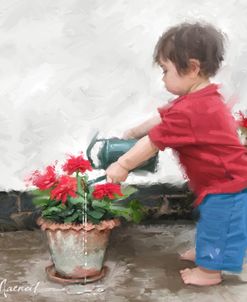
(188, 41)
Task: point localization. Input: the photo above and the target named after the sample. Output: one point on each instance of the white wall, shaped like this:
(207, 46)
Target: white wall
(68, 68)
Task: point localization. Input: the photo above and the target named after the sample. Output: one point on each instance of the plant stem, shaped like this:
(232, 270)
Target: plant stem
(84, 186)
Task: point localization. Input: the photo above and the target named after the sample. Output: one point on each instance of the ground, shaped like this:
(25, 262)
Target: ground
(143, 266)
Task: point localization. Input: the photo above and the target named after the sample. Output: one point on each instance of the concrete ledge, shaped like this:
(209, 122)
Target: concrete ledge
(164, 201)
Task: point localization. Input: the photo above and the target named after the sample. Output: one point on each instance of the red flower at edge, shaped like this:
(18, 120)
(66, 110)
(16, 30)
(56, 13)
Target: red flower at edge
(43, 181)
(66, 186)
(107, 190)
(76, 163)
(243, 121)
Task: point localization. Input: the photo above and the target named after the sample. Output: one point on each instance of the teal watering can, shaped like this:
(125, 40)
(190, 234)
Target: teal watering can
(111, 149)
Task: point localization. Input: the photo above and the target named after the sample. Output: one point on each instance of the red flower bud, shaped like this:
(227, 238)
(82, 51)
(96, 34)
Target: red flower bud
(109, 190)
(242, 122)
(43, 181)
(76, 163)
(66, 186)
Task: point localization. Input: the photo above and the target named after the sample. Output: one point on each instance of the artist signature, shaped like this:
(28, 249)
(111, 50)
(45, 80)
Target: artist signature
(5, 288)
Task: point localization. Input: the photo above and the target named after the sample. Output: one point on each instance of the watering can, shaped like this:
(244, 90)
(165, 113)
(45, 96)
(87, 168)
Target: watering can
(111, 149)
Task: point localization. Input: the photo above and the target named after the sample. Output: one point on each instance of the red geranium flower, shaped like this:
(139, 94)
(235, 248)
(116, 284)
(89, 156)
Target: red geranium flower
(76, 163)
(66, 186)
(243, 120)
(107, 190)
(43, 181)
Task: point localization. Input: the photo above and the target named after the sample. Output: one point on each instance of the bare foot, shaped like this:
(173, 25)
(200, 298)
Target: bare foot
(189, 255)
(200, 276)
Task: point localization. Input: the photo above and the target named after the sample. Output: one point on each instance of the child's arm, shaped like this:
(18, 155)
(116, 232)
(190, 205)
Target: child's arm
(142, 129)
(142, 151)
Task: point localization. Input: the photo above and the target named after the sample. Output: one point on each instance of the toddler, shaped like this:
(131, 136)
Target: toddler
(199, 127)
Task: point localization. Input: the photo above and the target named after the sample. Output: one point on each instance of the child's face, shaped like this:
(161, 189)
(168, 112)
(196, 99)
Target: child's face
(175, 83)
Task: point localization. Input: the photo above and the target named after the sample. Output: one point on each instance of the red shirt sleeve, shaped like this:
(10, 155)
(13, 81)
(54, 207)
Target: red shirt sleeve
(174, 130)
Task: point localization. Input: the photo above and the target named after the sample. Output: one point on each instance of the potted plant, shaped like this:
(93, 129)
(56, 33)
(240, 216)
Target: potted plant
(78, 217)
(242, 123)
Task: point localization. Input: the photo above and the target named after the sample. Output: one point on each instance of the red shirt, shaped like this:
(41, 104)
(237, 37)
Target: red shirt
(203, 133)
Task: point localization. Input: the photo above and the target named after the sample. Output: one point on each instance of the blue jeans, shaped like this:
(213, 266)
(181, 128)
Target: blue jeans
(221, 236)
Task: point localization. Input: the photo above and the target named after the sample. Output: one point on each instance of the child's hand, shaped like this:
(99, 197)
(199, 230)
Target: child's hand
(116, 173)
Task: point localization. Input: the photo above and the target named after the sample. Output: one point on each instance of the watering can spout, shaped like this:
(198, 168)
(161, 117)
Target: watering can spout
(111, 149)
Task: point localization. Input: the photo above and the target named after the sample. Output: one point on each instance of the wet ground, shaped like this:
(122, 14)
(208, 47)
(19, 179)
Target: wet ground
(143, 266)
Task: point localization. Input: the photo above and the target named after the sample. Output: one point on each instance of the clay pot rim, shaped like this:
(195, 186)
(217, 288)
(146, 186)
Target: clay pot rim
(54, 226)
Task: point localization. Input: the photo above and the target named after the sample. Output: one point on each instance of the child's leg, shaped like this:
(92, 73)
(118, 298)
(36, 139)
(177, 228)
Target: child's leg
(221, 238)
(189, 255)
(199, 275)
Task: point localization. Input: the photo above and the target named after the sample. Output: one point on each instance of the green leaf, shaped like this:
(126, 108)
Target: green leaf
(43, 193)
(103, 210)
(53, 203)
(72, 218)
(95, 214)
(100, 204)
(40, 198)
(129, 190)
(121, 211)
(66, 213)
(93, 220)
(76, 200)
(52, 210)
(125, 215)
(37, 194)
(137, 210)
(135, 204)
(118, 208)
(90, 196)
(40, 202)
(132, 212)
(137, 216)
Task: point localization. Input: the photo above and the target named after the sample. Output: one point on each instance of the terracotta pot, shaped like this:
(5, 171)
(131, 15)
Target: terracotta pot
(78, 250)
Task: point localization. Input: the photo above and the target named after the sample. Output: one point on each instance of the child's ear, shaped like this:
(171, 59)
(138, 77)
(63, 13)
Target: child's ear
(194, 67)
